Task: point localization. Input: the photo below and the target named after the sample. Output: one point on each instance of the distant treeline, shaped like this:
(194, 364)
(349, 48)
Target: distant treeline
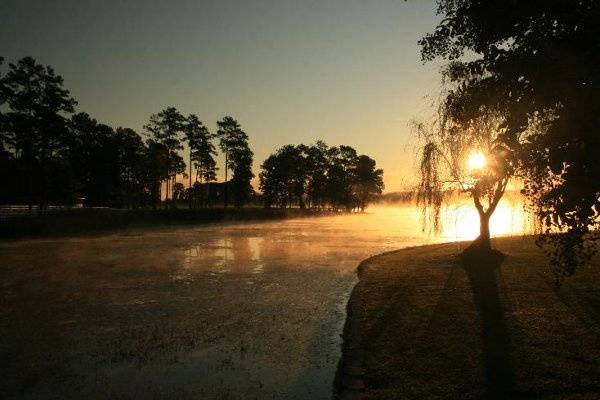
(406, 196)
(51, 154)
(320, 176)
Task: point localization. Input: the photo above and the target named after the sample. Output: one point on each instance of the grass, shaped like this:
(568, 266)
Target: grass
(421, 325)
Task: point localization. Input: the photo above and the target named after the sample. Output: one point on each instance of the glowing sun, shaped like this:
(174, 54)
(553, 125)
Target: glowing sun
(476, 161)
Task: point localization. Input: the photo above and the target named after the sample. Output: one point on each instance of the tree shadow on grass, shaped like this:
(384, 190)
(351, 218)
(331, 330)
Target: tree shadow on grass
(482, 271)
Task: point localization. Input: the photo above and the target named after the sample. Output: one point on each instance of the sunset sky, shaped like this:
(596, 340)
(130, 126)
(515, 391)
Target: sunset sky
(344, 71)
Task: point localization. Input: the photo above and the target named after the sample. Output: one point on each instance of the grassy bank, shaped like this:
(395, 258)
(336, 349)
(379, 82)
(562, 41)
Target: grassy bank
(422, 325)
(81, 221)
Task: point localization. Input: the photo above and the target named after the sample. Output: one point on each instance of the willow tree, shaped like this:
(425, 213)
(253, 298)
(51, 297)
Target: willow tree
(539, 60)
(468, 157)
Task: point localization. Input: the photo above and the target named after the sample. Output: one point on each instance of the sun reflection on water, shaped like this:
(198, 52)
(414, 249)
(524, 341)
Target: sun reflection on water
(281, 287)
(338, 242)
(461, 221)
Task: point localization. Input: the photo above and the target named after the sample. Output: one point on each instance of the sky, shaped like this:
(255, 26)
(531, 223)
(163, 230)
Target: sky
(343, 71)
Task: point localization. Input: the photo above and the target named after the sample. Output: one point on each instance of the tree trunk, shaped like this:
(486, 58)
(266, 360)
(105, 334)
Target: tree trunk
(482, 245)
(484, 232)
(226, 184)
(42, 202)
(206, 203)
(173, 199)
(158, 190)
(167, 193)
(30, 188)
(190, 187)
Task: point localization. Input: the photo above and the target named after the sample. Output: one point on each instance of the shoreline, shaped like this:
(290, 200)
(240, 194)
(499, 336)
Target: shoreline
(421, 325)
(349, 383)
(264, 300)
(86, 222)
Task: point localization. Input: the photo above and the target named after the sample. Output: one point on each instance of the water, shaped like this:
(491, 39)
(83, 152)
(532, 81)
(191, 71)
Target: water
(224, 312)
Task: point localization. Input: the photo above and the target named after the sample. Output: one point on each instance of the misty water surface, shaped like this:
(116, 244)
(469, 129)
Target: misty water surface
(224, 311)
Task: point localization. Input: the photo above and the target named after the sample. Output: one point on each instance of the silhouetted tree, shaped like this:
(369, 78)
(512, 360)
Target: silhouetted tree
(6, 157)
(34, 127)
(233, 142)
(6, 167)
(368, 181)
(134, 186)
(178, 192)
(537, 65)
(166, 128)
(202, 152)
(108, 167)
(242, 175)
(317, 164)
(444, 166)
(94, 160)
(336, 176)
(4, 134)
(271, 182)
(157, 167)
(340, 177)
(300, 171)
(283, 177)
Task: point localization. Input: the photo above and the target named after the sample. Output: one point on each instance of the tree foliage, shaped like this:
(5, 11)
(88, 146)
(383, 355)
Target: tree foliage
(166, 128)
(368, 181)
(537, 65)
(320, 176)
(35, 128)
(233, 142)
(202, 153)
(202, 150)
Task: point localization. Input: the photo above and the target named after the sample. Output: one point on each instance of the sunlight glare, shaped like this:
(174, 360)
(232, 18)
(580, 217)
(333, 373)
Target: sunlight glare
(461, 221)
(476, 161)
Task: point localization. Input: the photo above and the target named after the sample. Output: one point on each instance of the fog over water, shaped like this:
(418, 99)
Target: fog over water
(223, 311)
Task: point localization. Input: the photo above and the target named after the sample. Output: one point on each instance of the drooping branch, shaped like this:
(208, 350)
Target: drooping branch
(429, 192)
(448, 143)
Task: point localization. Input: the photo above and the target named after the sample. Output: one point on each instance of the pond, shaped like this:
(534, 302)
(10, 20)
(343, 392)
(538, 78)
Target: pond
(214, 312)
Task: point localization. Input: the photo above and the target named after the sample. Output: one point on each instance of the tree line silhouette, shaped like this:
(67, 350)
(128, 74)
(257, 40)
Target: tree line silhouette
(51, 154)
(320, 176)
